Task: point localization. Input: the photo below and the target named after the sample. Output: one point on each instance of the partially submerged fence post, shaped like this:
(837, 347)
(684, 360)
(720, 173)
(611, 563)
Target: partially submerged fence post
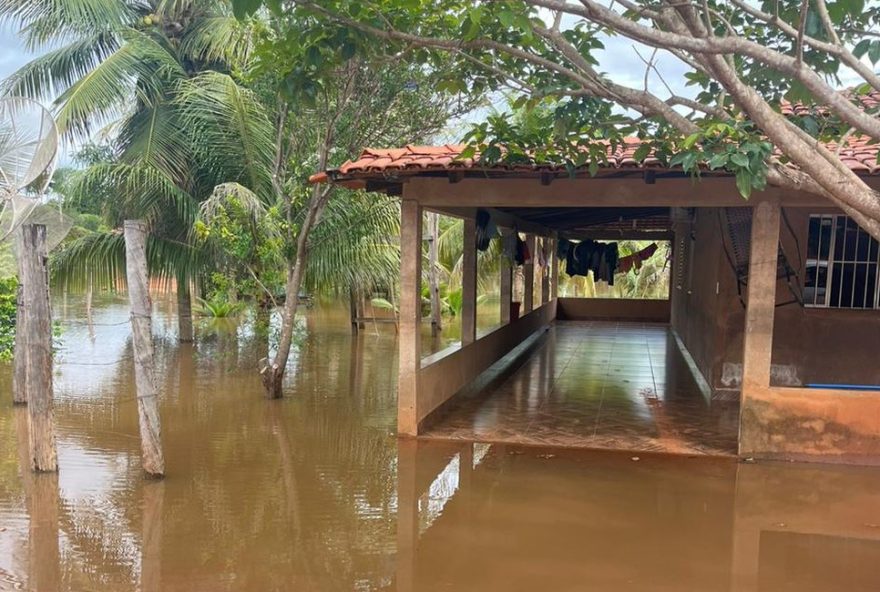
(37, 341)
(152, 459)
(19, 354)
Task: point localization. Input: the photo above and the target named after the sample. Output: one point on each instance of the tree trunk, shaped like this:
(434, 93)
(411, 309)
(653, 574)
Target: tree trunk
(433, 280)
(272, 372)
(353, 311)
(184, 312)
(152, 459)
(38, 348)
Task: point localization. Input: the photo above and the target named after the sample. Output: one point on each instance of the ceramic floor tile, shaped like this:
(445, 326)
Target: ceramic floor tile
(599, 385)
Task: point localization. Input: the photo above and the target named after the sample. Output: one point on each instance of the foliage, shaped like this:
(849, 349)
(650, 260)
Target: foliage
(218, 308)
(741, 59)
(8, 308)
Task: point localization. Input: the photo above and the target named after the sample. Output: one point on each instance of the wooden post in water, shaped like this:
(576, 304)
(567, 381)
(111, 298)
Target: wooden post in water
(19, 354)
(152, 459)
(38, 347)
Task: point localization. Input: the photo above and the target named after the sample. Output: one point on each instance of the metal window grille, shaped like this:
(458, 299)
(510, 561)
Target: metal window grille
(842, 264)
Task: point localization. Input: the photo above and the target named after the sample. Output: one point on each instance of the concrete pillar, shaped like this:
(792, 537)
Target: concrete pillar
(528, 302)
(508, 237)
(409, 340)
(554, 269)
(761, 300)
(545, 271)
(469, 283)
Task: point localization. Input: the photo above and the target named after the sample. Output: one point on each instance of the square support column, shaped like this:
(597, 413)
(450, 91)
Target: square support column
(506, 276)
(545, 271)
(528, 302)
(760, 309)
(409, 339)
(469, 283)
(554, 269)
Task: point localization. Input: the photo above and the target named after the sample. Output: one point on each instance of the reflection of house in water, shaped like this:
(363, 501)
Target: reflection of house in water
(521, 518)
(772, 316)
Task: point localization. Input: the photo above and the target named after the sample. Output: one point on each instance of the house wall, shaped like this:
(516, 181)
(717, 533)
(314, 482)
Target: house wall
(613, 309)
(699, 312)
(810, 345)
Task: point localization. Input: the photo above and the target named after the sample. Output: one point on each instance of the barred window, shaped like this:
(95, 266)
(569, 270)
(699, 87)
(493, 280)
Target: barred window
(842, 262)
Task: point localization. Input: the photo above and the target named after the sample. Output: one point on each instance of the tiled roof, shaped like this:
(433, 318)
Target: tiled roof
(869, 100)
(379, 163)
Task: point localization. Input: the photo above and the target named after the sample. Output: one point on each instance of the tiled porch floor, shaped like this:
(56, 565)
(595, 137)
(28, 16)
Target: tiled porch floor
(599, 385)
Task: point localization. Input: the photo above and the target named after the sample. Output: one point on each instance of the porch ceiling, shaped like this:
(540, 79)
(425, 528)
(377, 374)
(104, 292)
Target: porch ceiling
(606, 219)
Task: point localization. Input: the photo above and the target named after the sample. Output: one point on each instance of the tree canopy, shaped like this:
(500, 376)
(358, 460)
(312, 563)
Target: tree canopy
(743, 58)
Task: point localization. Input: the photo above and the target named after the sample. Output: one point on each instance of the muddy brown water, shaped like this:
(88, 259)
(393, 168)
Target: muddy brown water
(315, 492)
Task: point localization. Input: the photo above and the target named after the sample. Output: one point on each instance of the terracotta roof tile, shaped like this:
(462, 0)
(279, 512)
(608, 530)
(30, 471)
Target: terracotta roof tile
(870, 100)
(858, 154)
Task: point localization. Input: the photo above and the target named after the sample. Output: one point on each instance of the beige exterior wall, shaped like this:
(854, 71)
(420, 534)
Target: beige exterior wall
(613, 309)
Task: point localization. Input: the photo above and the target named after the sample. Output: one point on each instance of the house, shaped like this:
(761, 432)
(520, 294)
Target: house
(772, 311)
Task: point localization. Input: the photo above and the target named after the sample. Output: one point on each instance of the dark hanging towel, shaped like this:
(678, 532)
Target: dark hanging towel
(522, 251)
(610, 257)
(485, 229)
(562, 249)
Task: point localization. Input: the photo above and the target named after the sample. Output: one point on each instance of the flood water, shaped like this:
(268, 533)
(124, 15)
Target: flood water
(315, 492)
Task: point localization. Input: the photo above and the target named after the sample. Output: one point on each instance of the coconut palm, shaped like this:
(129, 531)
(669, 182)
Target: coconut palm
(133, 71)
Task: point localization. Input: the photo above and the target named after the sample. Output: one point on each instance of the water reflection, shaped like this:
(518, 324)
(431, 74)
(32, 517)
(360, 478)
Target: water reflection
(527, 519)
(314, 492)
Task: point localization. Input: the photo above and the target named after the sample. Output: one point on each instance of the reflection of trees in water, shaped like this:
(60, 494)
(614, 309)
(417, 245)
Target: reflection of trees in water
(260, 495)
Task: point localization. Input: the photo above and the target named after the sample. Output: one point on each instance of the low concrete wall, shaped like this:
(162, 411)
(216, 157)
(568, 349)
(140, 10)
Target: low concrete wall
(614, 309)
(811, 424)
(444, 374)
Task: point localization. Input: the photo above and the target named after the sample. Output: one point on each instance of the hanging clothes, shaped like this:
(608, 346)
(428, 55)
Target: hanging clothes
(486, 230)
(562, 248)
(609, 258)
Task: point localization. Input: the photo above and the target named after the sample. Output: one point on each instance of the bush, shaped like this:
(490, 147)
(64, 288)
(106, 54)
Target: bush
(8, 308)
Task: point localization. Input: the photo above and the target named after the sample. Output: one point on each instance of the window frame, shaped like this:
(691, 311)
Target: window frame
(831, 261)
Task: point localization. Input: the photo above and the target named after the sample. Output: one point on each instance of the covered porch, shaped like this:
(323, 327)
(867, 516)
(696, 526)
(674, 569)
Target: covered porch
(695, 374)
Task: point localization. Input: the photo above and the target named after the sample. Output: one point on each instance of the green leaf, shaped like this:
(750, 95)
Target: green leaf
(244, 8)
(861, 48)
(505, 17)
(740, 160)
(874, 52)
(718, 161)
(744, 183)
(642, 152)
(691, 140)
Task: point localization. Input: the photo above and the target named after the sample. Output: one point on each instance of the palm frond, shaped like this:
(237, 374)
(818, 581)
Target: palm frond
(138, 70)
(230, 130)
(144, 191)
(222, 38)
(48, 75)
(98, 260)
(43, 21)
(152, 137)
(355, 245)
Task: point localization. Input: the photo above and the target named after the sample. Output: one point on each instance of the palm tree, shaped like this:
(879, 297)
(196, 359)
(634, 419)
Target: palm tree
(132, 70)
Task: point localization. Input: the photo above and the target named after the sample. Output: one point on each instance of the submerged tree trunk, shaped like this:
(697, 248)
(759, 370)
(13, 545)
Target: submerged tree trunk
(38, 348)
(152, 458)
(184, 312)
(433, 280)
(272, 371)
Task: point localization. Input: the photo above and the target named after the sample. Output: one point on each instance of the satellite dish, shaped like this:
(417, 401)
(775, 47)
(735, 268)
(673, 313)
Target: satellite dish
(28, 147)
